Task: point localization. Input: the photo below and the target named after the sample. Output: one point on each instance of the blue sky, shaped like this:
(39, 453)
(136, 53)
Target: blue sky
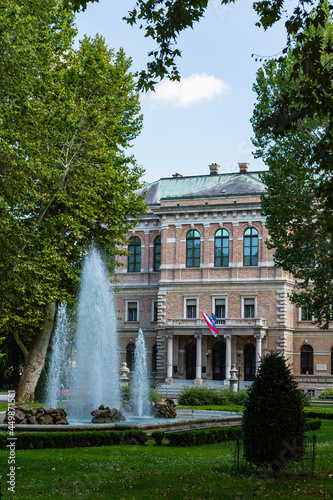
(206, 118)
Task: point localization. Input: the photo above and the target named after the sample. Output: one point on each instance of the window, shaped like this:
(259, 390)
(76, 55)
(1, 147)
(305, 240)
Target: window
(191, 308)
(154, 311)
(251, 247)
(157, 253)
(134, 258)
(220, 308)
(249, 308)
(132, 310)
(221, 256)
(193, 249)
(130, 355)
(306, 314)
(306, 360)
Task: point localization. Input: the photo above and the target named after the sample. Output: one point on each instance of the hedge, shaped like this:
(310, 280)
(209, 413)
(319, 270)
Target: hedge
(323, 414)
(312, 424)
(42, 440)
(204, 436)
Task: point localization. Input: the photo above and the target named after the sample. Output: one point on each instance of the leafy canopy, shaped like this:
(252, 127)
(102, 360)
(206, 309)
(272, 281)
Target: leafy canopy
(297, 205)
(67, 118)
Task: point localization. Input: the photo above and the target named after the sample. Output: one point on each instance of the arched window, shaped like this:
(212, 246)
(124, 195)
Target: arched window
(251, 247)
(130, 355)
(154, 358)
(221, 248)
(157, 253)
(134, 258)
(306, 360)
(193, 249)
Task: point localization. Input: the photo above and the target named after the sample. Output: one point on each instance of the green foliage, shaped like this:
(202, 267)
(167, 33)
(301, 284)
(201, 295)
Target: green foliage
(41, 387)
(68, 116)
(43, 440)
(326, 394)
(158, 437)
(312, 424)
(273, 422)
(316, 413)
(297, 206)
(200, 396)
(203, 436)
(155, 396)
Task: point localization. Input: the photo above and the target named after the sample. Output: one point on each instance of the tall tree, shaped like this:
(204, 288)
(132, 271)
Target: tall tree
(67, 117)
(297, 205)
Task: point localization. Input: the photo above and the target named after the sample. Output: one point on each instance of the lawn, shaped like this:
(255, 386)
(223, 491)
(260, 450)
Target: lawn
(149, 472)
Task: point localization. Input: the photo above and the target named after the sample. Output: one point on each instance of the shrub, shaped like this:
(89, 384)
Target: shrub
(126, 394)
(312, 424)
(202, 396)
(42, 440)
(273, 421)
(41, 387)
(155, 396)
(158, 437)
(316, 413)
(203, 436)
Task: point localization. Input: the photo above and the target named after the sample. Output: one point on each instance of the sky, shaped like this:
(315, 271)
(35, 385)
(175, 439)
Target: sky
(205, 118)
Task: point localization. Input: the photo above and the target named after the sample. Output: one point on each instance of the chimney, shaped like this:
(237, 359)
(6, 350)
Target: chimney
(177, 175)
(243, 168)
(214, 168)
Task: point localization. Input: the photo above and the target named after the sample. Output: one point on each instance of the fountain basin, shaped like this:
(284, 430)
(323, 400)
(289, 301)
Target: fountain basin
(186, 419)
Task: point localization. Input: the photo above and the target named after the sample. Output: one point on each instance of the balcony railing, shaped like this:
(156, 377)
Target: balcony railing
(223, 323)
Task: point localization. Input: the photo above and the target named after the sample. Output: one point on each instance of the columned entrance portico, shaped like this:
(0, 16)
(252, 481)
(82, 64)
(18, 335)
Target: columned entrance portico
(227, 359)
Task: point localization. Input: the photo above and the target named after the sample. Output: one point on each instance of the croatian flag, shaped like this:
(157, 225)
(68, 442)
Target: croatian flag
(211, 324)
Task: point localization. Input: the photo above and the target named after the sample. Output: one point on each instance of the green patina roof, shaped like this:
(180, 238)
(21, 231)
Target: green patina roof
(203, 186)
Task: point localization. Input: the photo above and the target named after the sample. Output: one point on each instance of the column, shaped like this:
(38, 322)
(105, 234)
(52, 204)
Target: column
(227, 359)
(169, 378)
(258, 338)
(198, 368)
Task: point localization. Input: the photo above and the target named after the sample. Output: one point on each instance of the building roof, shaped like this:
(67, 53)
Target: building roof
(203, 186)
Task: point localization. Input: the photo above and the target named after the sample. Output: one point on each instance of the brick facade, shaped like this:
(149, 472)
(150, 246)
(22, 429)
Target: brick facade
(206, 204)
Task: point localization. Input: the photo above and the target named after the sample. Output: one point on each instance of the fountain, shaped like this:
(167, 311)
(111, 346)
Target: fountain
(95, 376)
(140, 384)
(58, 369)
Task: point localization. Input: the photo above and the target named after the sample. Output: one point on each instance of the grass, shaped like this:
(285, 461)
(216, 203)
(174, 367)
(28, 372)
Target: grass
(149, 472)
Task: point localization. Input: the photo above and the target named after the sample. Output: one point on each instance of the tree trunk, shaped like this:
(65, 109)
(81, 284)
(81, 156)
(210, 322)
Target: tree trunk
(36, 358)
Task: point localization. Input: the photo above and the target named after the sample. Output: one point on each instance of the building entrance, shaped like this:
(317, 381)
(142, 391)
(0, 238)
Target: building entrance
(249, 362)
(191, 360)
(219, 361)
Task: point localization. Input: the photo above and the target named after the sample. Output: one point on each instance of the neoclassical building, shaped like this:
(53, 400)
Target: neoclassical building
(201, 247)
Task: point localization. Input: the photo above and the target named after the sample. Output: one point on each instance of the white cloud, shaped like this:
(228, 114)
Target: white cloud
(190, 90)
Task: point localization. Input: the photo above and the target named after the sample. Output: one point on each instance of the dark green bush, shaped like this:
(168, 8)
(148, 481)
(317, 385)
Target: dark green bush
(158, 437)
(312, 424)
(42, 440)
(201, 396)
(126, 394)
(273, 420)
(40, 390)
(323, 414)
(203, 436)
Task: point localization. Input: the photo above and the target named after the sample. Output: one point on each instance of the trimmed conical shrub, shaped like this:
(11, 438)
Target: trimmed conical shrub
(273, 424)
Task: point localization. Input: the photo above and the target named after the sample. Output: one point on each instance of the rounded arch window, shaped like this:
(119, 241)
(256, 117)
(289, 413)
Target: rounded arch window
(306, 360)
(193, 248)
(221, 251)
(134, 258)
(157, 253)
(250, 247)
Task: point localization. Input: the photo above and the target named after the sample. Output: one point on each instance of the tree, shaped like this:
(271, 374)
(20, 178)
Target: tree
(273, 421)
(297, 207)
(67, 117)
